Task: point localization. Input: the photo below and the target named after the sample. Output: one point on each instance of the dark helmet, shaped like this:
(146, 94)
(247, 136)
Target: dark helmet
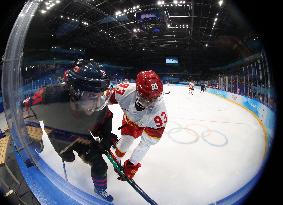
(87, 76)
(89, 85)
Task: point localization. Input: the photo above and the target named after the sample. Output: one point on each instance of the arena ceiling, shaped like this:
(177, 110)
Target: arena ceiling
(202, 33)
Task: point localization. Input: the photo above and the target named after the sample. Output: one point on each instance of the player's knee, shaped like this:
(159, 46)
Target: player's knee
(148, 141)
(125, 142)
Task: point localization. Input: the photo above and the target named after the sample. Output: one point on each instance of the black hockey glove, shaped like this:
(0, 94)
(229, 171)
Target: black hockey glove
(109, 141)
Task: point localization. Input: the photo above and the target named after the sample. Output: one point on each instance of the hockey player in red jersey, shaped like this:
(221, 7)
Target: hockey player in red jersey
(145, 116)
(191, 88)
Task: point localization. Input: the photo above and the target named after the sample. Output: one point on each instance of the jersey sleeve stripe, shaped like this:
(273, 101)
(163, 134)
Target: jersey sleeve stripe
(154, 133)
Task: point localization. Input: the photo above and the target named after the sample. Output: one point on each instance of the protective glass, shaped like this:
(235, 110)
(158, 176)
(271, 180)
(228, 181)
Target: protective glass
(92, 101)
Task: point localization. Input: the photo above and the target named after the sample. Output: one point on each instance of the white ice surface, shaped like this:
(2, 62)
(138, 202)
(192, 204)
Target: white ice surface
(211, 147)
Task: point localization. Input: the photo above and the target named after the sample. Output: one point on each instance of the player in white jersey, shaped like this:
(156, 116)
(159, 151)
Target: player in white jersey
(145, 116)
(191, 88)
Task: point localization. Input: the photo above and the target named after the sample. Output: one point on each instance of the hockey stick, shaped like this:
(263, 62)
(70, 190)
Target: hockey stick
(119, 169)
(64, 168)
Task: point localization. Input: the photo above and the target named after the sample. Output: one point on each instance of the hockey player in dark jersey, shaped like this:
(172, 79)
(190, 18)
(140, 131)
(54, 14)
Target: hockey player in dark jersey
(202, 87)
(76, 112)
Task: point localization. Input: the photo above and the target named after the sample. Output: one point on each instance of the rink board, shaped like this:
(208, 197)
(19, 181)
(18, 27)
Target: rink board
(268, 119)
(263, 113)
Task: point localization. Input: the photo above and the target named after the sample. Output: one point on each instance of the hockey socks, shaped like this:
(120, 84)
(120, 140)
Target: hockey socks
(100, 185)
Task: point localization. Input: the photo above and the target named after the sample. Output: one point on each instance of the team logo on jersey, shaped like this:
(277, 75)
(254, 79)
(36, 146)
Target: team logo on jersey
(154, 87)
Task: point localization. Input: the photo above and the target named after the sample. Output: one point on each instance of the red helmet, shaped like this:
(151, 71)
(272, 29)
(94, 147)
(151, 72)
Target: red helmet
(149, 85)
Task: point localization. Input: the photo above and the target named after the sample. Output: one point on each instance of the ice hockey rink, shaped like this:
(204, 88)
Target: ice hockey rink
(211, 148)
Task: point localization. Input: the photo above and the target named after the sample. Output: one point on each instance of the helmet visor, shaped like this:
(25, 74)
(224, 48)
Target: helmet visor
(94, 101)
(146, 102)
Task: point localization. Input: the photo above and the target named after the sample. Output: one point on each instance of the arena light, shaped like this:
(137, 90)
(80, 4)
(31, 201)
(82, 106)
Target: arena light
(127, 11)
(136, 30)
(73, 19)
(175, 2)
(206, 45)
(160, 3)
(49, 4)
(117, 13)
(178, 26)
(220, 3)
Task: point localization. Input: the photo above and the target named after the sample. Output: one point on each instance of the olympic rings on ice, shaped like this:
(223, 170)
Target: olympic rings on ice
(191, 132)
(211, 137)
(205, 134)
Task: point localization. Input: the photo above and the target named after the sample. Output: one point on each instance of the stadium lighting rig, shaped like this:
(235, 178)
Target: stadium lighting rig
(174, 4)
(133, 9)
(107, 33)
(49, 5)
(178, 26)
(74, 19)
(220, 2)
(136, 30)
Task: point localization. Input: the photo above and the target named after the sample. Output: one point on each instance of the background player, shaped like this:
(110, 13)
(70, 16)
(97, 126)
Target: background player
(191, 87)
(145, 116)
(202, 87)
